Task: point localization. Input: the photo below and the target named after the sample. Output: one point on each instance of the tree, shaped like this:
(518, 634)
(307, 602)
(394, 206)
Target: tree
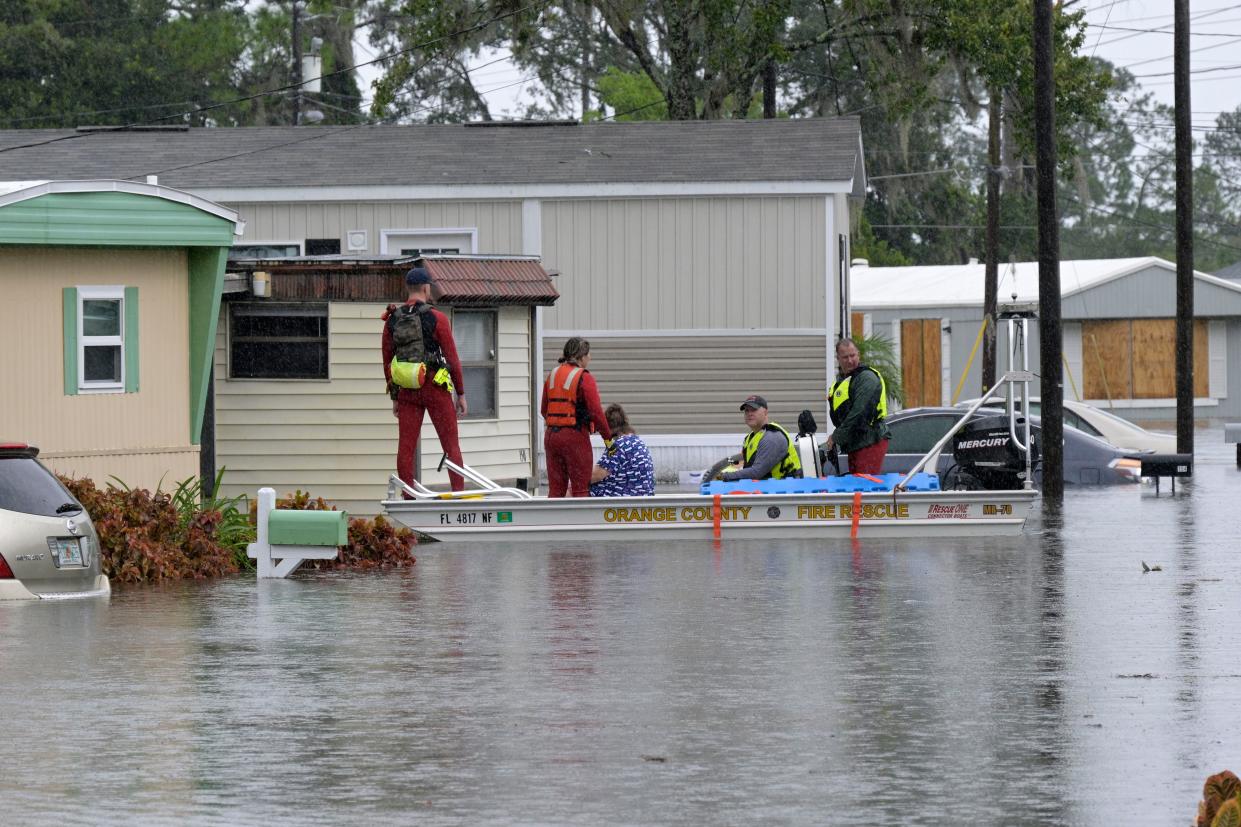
(703, 57)
(69, 62)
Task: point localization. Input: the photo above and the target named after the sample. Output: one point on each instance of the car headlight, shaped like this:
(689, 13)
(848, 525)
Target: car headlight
(1127, 466)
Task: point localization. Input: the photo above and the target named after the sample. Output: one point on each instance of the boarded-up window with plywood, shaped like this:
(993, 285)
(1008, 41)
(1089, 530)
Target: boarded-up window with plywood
(920, 362)
(1136, 359)
(857, 325)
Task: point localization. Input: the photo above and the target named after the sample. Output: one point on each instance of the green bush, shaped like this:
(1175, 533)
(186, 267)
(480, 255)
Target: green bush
(879, 352)
(373, 544)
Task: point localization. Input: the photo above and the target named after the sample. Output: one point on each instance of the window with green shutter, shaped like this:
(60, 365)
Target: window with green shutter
(101, 339)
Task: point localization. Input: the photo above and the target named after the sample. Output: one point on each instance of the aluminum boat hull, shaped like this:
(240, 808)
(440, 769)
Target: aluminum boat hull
(692, 516)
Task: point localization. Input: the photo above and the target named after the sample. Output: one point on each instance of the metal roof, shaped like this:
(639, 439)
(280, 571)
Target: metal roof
(959, 285)
(14, 192)
(491, 279)
(460, 281)
(667, 152)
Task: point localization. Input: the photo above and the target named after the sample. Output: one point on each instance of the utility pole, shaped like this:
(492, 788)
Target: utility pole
(1051, 387)
(769, 88)
(1184, 234)
(588, 19)
(991, 280)
(297, 66)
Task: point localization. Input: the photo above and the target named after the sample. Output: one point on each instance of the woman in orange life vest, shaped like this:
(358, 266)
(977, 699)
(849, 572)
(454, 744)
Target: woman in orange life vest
(570, 408)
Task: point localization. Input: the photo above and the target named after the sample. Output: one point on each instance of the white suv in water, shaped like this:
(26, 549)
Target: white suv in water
(48, 546)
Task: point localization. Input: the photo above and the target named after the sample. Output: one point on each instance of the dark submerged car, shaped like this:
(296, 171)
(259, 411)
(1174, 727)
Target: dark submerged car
(1087, 459)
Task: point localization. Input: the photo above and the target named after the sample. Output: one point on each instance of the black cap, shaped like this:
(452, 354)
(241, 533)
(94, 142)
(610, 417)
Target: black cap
(753, 401)
(417, 276)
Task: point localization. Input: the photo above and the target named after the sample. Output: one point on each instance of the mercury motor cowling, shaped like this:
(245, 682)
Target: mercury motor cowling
(986, 456)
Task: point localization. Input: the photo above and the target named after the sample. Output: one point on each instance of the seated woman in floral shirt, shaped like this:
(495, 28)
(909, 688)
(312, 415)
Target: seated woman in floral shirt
(625, 469)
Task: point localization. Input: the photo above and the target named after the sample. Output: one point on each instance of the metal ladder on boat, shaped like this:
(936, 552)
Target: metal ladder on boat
(1017, 314)
(487, 488)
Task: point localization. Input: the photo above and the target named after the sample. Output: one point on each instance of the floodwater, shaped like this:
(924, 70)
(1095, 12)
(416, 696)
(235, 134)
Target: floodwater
(1044, 679)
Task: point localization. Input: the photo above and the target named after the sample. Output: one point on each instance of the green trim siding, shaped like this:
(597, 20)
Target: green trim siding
(70, 301)
(131, 340)
(112, 219)
(206, 266)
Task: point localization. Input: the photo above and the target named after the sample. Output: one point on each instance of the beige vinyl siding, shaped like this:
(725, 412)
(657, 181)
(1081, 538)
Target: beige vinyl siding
(337, 438)
(138, 468)
(695, 384)
(35, 408)
(687, 263)
(498, 222)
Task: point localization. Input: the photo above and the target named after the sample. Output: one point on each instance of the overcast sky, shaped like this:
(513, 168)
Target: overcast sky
(1137, 35)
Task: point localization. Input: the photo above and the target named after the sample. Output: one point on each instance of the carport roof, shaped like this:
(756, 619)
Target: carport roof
(961, 285)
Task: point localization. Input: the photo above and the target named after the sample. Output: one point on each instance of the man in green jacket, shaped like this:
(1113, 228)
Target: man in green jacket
(859, 407)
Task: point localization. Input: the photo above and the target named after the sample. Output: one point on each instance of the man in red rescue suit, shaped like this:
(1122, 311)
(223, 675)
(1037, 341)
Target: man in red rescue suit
(422, 369)
(570, 407)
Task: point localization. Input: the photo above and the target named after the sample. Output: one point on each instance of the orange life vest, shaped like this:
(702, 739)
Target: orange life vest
(563, 409)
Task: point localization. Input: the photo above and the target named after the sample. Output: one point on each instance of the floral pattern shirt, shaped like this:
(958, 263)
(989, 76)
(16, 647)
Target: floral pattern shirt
(631, 472)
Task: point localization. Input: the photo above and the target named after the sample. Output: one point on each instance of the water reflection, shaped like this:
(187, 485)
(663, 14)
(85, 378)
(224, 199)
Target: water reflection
(571, 576)
(1043, 679)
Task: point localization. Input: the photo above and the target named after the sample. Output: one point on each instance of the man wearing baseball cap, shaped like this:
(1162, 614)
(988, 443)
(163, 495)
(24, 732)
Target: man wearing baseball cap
(768, 451)
(422, 369)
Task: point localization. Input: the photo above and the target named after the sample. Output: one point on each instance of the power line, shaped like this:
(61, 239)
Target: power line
(1234, 39)
(76, 115)
(1159, 29)
(1193, 71)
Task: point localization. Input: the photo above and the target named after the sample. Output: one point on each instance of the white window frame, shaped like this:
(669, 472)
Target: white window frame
(494, 349)
(95, 293)
(386, 235)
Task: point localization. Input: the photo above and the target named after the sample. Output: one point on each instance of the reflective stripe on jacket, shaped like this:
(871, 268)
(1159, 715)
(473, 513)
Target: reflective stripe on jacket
(790, 466)
(563, 408)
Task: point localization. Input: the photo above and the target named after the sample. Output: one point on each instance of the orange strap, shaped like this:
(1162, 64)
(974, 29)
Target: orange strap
(869, 477)
(857, 513)
(715, 516)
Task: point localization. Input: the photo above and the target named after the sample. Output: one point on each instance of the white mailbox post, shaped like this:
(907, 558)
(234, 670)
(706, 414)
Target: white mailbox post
(287, 538)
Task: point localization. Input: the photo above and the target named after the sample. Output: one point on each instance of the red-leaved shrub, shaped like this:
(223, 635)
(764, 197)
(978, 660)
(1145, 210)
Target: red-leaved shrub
(1221, 801)
(143, 538)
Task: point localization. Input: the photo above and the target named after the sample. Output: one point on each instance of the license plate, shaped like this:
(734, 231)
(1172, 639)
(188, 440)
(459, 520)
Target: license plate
(66, 551)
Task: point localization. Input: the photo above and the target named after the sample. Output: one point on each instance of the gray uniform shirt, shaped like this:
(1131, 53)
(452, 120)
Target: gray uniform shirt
(771, 451)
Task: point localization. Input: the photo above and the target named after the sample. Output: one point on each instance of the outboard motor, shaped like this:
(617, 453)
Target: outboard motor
(986, 457)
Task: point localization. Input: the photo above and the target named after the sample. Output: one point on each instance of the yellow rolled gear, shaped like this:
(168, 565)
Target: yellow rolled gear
(790, 466)
(409, 375)
(413, 375)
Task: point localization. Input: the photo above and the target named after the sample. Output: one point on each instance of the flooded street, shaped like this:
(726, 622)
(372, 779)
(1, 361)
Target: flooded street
(1044, 679)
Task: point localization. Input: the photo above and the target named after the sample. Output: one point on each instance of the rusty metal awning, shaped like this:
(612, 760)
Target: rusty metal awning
(490, 280)
(473, 280)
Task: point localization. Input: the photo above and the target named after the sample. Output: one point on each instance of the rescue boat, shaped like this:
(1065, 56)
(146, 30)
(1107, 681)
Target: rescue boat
(834, 507)
(994, 499)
